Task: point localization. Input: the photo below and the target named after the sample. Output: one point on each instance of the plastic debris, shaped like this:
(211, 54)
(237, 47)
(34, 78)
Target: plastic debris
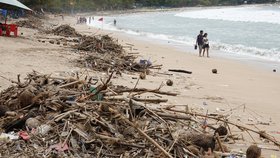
(24, 135)
(9, 136)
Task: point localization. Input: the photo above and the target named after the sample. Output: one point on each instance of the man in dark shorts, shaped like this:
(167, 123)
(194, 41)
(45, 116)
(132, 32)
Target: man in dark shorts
(199, 42)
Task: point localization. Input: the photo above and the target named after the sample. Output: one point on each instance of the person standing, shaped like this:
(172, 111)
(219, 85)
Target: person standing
(205, 46)
(115, 22)
(199, 42)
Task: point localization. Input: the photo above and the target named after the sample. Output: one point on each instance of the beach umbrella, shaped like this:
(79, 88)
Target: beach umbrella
(12, 5)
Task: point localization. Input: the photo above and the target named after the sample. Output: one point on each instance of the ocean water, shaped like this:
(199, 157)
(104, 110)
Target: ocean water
(244, 31)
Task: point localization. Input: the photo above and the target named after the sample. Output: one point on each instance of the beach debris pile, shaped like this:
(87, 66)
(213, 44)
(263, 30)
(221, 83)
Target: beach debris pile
(109, 62)
(82, 116)
(99, 52)
(103, 53)
(99, 44)
(66, 31)
(32, 23)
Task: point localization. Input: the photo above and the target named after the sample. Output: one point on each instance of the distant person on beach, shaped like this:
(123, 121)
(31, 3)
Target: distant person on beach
(199, 42)
(115, 22)
(205, 46)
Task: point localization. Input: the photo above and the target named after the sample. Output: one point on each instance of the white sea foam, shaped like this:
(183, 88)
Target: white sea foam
(237, 49)
(267, 54)
(162, 37)
(244, 14)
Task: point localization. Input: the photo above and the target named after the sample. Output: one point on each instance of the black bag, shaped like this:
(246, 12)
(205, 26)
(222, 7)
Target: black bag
(195, 46)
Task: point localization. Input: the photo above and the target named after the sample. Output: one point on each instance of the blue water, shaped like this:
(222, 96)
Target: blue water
(251, 31)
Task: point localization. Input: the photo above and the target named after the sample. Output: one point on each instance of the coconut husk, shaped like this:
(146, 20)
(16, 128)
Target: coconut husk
(222, 131)
(253, 152)
(203, 141)
(169, 82)
(142, 75)
(32, 123)
(25, 98)
(3, 110)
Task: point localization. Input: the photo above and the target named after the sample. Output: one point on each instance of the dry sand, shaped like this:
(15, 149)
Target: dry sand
(249, 92)
(25, 54)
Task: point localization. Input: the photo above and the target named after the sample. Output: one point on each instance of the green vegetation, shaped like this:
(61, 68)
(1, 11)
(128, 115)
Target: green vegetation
(96, 5)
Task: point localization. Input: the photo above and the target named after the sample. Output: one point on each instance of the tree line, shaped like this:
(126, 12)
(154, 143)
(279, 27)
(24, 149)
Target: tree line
(97, 5)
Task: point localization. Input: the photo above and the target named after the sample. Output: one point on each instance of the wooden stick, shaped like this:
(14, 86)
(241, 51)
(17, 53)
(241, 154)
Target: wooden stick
(251, 136)
(99, 152)
(205, 122)
(187, 150)
(132, 145)
(9, 79)
(150, 100)
(174, 116)
(112, 139)
(66, 139)
(269, 148)
(230, 132)
(178, 70)
(112, 91)
(135, 85)
(61, 116)
(146, 90)
(70, 84)
(219, 142)
(18, 83)
(81, 133)
(172, 145)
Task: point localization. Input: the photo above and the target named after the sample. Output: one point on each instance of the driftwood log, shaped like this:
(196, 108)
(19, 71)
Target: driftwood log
(181, 71)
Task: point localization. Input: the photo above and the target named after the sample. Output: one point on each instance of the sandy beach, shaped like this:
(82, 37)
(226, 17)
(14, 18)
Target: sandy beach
(247, 93)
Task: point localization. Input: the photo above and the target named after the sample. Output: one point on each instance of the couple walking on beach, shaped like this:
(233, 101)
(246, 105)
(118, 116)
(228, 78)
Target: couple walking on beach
(202, 43)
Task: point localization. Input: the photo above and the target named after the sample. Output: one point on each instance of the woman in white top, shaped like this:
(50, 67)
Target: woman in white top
(205, 45)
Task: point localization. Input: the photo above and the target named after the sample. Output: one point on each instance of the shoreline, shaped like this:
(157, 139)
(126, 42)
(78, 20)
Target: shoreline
(252, 61)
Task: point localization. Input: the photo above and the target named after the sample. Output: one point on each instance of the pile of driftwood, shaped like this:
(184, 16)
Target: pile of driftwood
(100, 44)
(99, 52)
(103, 53)
(101, 62)
(75, 117)
(31, 22)
(66, 31)
(47, 116)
